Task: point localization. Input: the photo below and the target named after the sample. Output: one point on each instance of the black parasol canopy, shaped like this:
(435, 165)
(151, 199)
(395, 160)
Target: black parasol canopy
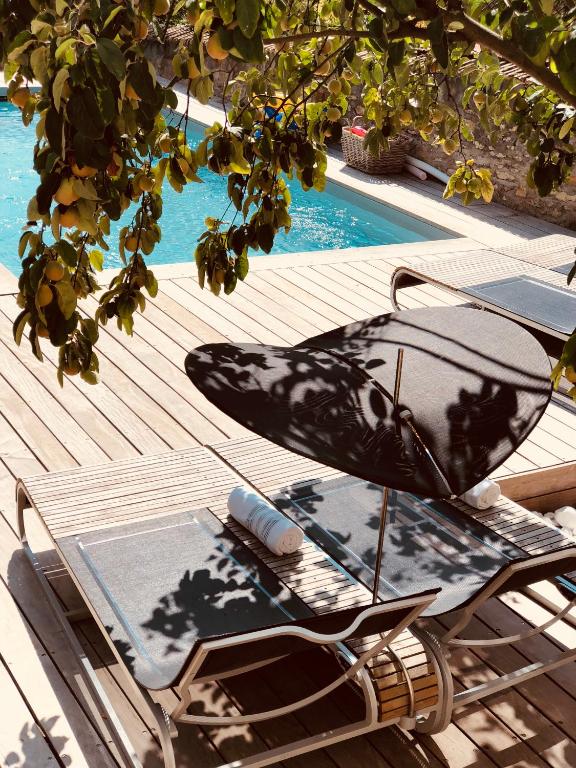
(473, 387)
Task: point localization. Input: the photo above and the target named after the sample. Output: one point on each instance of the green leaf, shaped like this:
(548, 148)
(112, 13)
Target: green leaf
(96, 258)
(84, 113)
(242, 265)
(53, 128)
(61, 77)
(438, 41)
(141, 80)
(250, 48)
(39, 63)
(90, 329)
(151, 284)
(89, 377)
(66, 297)
(67, 253)
(404, 7)
(566, 128)
(265, 235)
(19, 325)
(248, 15)
(112, 57)
(112, 15)
(66, 52)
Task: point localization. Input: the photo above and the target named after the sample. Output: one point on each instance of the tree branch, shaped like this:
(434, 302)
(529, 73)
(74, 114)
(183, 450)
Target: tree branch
(476, 33)
(405, 30)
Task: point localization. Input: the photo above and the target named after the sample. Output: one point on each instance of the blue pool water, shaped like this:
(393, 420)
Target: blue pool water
(336, 218)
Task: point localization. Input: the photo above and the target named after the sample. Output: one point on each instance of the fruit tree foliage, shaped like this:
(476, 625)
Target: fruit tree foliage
(105, 146)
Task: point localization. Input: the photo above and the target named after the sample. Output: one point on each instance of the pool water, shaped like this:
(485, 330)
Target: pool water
(336, 218)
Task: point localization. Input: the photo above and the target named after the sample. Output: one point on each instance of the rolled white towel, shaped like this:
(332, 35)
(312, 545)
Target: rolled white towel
(483, 495)
(271, 527)
(565, 517)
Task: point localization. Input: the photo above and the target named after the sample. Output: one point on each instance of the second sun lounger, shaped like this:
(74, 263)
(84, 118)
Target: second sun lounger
(525, 282)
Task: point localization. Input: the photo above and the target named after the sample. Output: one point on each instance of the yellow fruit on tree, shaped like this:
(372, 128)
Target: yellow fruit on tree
(65, 194)
(44, 295)
(68, 217)
(54, 271)
(141, 29)
(333, 114)
(570, 374)
(405, 117)
(20, 97)
(131, 93)
(192, 67)
(165, 144)
(161, 7)
(323, 68)
(84, 172)
(146, 183)
(436, 116)
(214, 48)
(72, 368)
(131, 243)
(479, 99)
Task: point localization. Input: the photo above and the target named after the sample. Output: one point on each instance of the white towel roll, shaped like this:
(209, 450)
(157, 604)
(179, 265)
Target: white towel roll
(566, 518)
(271, 527)
(483, 495)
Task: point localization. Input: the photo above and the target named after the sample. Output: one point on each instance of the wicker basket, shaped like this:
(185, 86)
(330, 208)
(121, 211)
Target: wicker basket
(391, 161)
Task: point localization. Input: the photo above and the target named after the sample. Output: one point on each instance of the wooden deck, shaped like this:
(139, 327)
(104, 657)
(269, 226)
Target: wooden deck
(145, 405)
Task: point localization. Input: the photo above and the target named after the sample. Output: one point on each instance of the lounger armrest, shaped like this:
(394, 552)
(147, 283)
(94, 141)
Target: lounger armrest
(413, 607)
(236, 652)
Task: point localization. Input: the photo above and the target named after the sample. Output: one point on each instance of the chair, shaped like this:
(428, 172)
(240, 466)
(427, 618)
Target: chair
(525, 282)
(183, 595)
(469, 555)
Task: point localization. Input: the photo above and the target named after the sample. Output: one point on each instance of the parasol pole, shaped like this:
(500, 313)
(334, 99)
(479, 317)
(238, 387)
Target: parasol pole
(386, 490)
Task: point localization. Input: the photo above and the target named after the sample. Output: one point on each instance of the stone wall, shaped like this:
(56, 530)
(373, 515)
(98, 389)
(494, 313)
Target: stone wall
(508, 161)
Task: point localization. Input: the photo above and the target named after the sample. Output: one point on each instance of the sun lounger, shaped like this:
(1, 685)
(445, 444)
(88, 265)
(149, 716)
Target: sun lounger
(470, 555)
(184, 594)
(554, 252)
(525, 282)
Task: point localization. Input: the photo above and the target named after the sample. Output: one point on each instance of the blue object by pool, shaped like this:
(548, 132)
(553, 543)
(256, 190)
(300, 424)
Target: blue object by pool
(336, 218)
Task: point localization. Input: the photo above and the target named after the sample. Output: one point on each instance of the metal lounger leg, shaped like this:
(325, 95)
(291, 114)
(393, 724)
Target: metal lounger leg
(439, 719)
(95, 688)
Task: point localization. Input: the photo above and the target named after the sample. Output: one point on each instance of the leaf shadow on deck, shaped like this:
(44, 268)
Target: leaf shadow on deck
(35, 746)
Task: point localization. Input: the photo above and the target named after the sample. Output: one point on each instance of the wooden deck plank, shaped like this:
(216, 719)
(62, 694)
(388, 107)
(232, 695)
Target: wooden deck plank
(22, 740)
(34, 647)
(132, 412)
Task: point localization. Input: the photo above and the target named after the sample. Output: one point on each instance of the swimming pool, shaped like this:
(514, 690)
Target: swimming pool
(336, 218)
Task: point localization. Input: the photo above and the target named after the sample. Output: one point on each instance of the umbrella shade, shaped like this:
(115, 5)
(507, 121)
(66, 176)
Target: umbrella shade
(473, 387)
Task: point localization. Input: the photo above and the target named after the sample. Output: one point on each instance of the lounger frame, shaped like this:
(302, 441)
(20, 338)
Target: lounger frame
(535, 258)
(168, 719)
